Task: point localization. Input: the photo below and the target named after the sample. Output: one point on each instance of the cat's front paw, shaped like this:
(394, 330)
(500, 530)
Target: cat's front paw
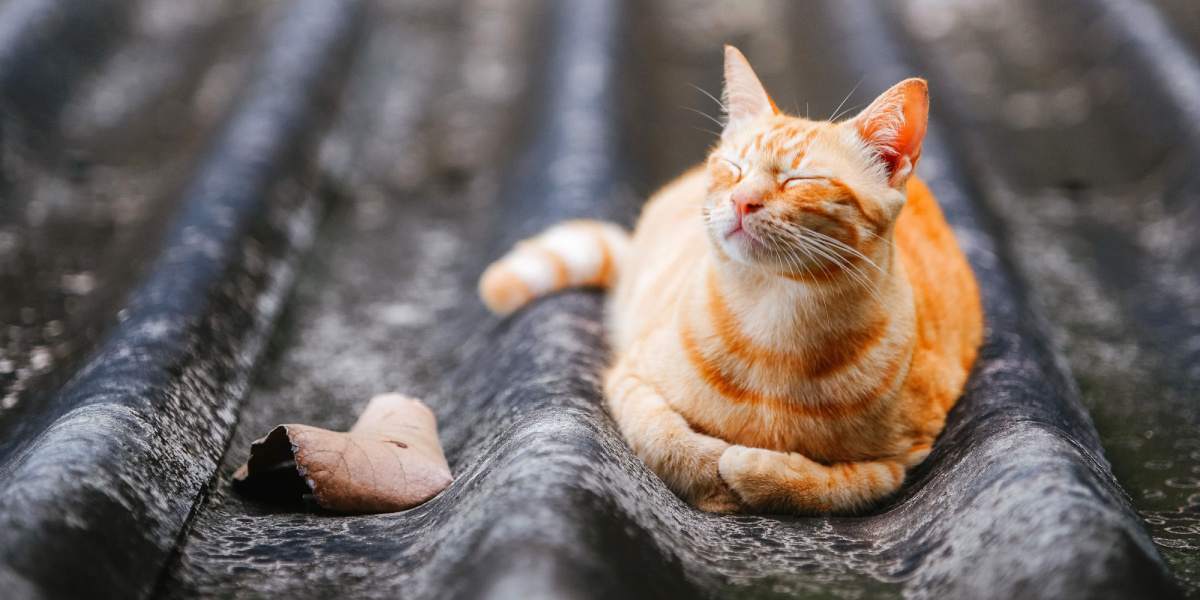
(755, 476)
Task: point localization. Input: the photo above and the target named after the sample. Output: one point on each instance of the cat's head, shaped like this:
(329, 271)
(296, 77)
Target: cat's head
(801, 197)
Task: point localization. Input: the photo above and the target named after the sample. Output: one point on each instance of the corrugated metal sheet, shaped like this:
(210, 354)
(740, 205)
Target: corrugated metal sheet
(219, 216)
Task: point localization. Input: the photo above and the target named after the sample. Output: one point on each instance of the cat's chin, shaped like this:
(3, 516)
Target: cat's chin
(742, 247)
(752, 253)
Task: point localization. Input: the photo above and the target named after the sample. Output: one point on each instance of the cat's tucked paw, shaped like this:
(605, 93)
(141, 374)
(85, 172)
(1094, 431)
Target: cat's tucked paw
(745, 471)
(765, 479)
(720, 501)
(743, 465)
(710, 493)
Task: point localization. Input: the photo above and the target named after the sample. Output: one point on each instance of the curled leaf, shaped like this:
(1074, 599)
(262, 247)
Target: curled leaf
(390, 460)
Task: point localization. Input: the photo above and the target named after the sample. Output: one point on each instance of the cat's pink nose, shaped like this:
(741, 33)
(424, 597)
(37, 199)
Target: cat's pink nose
(747, 204)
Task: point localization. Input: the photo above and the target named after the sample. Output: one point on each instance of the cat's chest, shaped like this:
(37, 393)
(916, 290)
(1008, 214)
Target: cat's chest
(849, 438)
(823, 434)
(830, 419)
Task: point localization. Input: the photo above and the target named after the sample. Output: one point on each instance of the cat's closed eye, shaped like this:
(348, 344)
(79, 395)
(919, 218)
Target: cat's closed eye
(792, 182)
(731, 167)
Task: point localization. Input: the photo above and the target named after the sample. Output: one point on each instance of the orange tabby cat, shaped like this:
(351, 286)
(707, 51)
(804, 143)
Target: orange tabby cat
(791, 321)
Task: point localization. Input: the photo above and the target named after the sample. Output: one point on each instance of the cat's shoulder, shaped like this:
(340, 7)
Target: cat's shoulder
(684, 193)
(692, 184)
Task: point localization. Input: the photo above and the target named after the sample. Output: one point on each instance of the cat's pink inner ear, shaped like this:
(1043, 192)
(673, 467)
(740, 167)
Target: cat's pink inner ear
(745, 97)
(894, 126)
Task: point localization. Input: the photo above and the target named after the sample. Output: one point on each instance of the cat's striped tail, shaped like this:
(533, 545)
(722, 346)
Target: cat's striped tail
(570, 254)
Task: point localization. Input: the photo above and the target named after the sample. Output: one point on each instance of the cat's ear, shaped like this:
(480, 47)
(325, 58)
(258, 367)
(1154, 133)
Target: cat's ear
(894, 127)
(745, 97)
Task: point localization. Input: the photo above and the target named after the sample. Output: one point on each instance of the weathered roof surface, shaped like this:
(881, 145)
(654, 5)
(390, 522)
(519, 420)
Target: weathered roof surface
(219, 216)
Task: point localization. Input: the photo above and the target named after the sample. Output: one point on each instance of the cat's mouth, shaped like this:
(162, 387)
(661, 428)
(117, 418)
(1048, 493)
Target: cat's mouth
(743, 243)
(738, 232)
(738, 237)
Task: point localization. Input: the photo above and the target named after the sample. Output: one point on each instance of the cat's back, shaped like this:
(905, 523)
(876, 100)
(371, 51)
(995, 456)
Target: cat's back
(668, 241)
(949, 314)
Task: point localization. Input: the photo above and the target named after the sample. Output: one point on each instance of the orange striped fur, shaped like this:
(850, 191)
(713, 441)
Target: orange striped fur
(791, 320)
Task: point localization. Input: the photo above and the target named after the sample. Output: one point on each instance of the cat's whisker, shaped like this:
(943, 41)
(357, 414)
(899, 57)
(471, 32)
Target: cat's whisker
(704, 114)
(835, 247)
(875, 235)
(848, 110)
(844, 246)
(800, 244)
(825, 250)
(791, 256)
(831, 252)
(848, 94)
(822, 303)
(824, 271)
(710, 96)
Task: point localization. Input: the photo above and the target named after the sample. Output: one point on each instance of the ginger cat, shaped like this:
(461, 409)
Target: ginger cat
(791, 320)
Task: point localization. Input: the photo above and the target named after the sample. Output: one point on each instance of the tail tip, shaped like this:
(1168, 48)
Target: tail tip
(502, 291)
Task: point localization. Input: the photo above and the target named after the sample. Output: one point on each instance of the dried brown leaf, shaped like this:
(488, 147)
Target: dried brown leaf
(390, 460)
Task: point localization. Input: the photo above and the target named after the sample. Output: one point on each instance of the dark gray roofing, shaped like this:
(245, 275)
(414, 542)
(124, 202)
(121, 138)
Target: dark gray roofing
(219, 216)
